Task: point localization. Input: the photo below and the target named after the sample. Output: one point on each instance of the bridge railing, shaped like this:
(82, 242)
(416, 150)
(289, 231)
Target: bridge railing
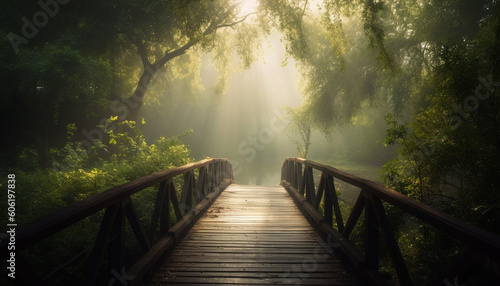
(198, 192)
(297, 177)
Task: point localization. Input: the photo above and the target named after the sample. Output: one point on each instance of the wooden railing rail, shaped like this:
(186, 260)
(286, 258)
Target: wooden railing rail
(297, 177)
(214, 175)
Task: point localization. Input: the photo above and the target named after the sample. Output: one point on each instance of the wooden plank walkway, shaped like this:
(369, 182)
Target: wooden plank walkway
(253, 235)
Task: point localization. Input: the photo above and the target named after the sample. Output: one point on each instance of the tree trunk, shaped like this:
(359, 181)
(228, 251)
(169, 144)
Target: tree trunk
(135, 101)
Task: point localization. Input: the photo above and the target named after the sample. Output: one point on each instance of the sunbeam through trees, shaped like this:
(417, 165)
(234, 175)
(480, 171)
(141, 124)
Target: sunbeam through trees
(95, 94)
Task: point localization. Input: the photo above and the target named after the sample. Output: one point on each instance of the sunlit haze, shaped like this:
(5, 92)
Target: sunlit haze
(247, 6)
(245, 124)
(200, 118)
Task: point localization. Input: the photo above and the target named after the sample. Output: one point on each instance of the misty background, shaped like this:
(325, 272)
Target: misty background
(248, 124)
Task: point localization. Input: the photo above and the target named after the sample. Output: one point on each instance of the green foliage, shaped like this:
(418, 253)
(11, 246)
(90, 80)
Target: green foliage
(77, 174)
(59, 78)
(434, 64)
(96, 54)
(374, 29)
(53, 85)
(449, 149)
(299, 129)
(395, 133)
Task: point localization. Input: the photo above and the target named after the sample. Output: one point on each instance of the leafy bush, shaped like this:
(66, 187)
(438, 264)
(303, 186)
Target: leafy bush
(77, 175)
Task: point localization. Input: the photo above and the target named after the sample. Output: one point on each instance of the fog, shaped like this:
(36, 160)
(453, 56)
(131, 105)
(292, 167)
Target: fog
(245, 125)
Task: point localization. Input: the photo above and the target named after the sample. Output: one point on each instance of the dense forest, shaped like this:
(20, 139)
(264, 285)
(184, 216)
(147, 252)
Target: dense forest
(97, 93)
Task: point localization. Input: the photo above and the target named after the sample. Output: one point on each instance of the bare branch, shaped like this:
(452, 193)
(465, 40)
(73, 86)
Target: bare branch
(231, 25)
(170, 55)
(304, 10)
(212, 27)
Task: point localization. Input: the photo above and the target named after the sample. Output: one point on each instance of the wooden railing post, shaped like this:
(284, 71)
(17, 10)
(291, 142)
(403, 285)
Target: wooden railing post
(139, 231)
(331, 195)
(210, 176)
(303, 183)
(187, 194)
(283, 171)
(319, 197)
(116, 241)
(229, 171)
(354, 216)
(213, 175)
(118, 208)
(216, 173)
(328, 199)
(219, 172)
(300, 184)
(372, 235)
(202, 181)
(172, 194)
(298, 175)
(196, 192)
(392, 244)
(101, 243)
(162, 199)
(309, 185)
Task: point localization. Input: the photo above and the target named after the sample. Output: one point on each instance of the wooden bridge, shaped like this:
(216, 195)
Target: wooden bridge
(223, 233)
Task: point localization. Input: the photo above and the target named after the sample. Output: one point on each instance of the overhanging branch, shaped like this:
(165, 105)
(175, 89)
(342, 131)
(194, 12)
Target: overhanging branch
(230, 25)
(214, 25)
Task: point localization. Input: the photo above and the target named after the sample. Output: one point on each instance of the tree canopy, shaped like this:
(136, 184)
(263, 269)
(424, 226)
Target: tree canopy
(97, 59)
(91, 65)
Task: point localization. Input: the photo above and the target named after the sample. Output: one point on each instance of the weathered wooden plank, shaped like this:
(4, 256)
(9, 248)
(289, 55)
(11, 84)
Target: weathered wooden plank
(247, 267)
(145, 263)
(253, 236)
(252, 230)
(246, 244)
(258, 258)
(207, 251)
(269, 236)
(249, 274)
(255, 255)
(284, 280)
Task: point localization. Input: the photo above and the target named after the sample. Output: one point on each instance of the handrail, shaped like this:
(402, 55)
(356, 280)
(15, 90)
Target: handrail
(299, 182)
(214, 176)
